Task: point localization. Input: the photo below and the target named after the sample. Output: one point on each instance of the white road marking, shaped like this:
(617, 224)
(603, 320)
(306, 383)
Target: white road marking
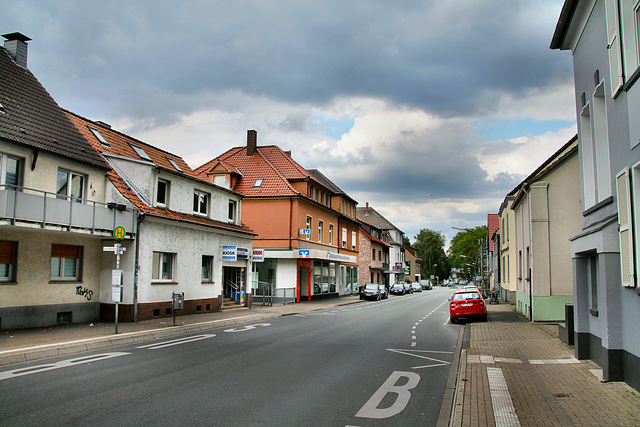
(156, 346)
(247, 327)
(418, 354)
(59, 365)
(370, 409)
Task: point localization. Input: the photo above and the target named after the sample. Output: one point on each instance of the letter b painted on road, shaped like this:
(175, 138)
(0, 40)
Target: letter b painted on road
(371, 410)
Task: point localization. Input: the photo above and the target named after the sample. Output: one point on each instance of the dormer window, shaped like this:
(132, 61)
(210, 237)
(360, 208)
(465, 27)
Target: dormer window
(140, 152)
(258, 183)
(98, 136)
(174, 164)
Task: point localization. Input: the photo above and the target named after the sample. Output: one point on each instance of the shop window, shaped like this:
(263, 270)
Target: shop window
(66, 263)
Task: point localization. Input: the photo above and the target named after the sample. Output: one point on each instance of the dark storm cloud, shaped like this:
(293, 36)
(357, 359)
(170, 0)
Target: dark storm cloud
(154, 59)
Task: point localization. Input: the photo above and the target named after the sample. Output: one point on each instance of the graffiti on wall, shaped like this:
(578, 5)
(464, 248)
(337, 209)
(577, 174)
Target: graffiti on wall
(85, 292)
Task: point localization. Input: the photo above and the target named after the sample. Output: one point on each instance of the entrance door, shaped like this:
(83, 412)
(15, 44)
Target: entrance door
(304, 281)
(233, 282)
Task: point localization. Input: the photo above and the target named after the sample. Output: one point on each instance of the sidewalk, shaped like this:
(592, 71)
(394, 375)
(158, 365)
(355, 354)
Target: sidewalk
(38, 343)
(515, 372)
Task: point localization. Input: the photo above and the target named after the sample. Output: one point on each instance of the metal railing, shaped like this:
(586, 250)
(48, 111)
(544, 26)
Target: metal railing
(264, 293)
(25, 204)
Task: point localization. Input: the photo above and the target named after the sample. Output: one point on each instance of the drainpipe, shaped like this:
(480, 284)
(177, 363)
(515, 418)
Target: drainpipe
(290, 219)
(136, 268)
(529, 261)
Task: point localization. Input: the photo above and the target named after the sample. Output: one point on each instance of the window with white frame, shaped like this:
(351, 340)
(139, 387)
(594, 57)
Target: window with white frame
(71, 185)
(66, 263)
(233, 207)
(207, 268)
(162, 193)
(614, 47)
(200, 202)
(629, 33)
(353, 240)
(163, 266)
(308, 226)
(320, 230)
(331, 234)
(10, 171)
(344, 237)
(8, 256)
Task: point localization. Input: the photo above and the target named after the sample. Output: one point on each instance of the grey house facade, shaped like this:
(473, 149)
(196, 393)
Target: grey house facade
(603, 38)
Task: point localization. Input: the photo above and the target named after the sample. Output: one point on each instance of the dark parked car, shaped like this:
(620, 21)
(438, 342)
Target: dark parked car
(467, 303)
(371, 291)
(426, 285)
(398, 289)
(383, 291)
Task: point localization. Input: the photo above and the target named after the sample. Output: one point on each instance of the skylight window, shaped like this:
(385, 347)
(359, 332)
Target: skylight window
(1, 108)
(258, 182)
(140, 152)
(174, 164)
(98, 136)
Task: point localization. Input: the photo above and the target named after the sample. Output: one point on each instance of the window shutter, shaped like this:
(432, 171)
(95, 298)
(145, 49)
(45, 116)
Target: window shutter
(613, 47)
(65, 251)
(6, 252)
(625, 228)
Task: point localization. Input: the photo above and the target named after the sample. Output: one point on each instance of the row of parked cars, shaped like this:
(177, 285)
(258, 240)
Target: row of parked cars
(377, 292)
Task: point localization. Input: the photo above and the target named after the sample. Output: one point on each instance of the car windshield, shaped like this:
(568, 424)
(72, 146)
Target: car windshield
(398, 285)
(371, 287)
(466, 295)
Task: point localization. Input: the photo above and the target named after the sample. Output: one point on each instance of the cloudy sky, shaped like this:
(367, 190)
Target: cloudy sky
(429, 110)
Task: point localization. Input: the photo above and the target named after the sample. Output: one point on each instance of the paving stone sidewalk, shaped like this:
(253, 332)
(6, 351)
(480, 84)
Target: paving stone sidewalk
(515, 372)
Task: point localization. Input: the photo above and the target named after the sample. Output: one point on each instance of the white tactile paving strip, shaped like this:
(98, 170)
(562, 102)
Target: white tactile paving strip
(503, 410)
(485, 359)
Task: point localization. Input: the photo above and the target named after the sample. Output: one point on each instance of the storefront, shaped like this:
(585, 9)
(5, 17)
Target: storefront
(312, 273)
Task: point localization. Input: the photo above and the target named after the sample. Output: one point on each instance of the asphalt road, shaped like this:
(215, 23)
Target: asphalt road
(376, 363)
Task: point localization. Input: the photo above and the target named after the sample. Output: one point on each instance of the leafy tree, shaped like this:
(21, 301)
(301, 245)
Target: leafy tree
(464, 252)
(430, 245)
(406, 241)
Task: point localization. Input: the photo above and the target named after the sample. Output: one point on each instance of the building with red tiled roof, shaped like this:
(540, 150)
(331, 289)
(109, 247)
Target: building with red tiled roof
(308, 228)
(190, 237)
(413, 263)
(54, 210)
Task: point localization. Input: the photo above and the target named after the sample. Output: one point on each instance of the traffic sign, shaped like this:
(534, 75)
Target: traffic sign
(119, 233)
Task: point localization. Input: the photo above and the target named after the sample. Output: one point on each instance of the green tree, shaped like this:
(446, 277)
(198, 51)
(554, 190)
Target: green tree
(430, 245)
(464, 252)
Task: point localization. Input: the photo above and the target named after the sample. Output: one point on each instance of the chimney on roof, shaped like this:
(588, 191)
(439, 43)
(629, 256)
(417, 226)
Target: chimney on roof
(252, 142)
(288, 153)
(16, 45)
(366, 209)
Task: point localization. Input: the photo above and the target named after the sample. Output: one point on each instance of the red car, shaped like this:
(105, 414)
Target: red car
(467, 303)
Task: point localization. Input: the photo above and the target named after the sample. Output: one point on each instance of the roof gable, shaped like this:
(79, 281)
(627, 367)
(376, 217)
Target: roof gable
(30, 116)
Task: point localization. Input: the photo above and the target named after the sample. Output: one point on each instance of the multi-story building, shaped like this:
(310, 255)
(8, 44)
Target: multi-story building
(413, 264)
(374, 255)
(603, 36)
(393, 236)
(54, 209)
(493, 224)
(308, 231)
(507, 272)
(190, 239)
(547, 213)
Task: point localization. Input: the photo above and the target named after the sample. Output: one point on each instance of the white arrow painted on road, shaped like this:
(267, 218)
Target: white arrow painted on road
(58, 365)
(247, 327)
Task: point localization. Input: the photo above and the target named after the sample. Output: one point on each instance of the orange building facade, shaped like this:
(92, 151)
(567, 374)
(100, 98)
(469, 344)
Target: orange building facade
(305, 224)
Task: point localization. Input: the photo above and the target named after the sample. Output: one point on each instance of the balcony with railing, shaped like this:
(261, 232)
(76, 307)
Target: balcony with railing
(22, 206)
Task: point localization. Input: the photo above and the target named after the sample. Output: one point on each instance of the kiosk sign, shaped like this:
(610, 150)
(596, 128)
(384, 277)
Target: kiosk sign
(229, 253)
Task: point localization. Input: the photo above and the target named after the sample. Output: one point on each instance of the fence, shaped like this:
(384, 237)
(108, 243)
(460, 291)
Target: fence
(264, 293)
